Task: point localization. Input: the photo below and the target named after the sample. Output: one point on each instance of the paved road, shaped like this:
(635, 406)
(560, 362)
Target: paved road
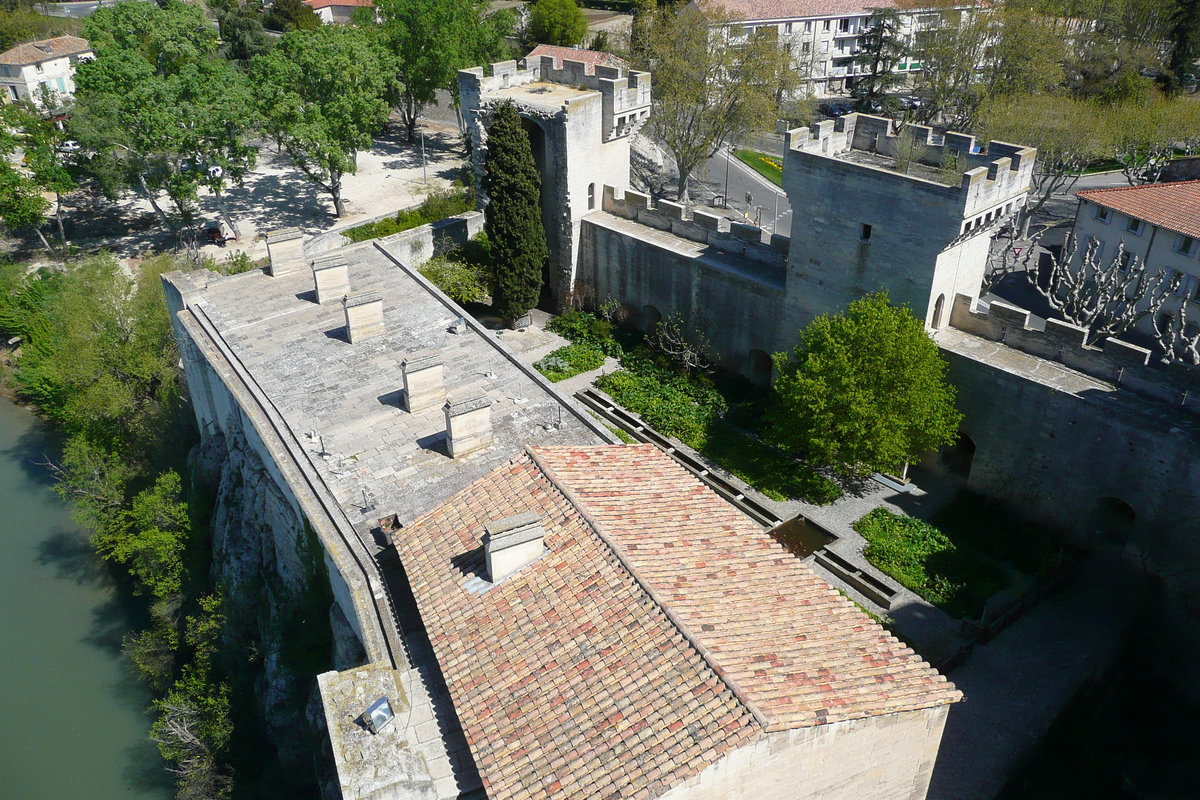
(768, 202)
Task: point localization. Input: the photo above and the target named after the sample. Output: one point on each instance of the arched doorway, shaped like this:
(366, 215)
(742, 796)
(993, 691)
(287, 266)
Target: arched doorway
(958, 457)
(1113, 520)
(937, 311)
(759, 368)
(651, 316)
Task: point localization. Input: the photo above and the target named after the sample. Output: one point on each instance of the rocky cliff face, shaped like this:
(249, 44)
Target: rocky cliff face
(282, 625)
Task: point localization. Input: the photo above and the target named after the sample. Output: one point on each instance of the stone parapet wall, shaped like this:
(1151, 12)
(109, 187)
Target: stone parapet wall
(991, 173)
(1120, 363)
(697, 225)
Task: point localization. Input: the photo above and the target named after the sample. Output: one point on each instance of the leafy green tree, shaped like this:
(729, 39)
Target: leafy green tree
(1026, 54)
(243, 33)
(1068, 134)
(557, 22)
(710, 85)
(429, 41)
(291, 15)
(513, 220)
(48, 165)
(881, 47)
(950, 55)
(864, 391)
(321, 96)
(151, 542)
(158, 107)
(1185, 44)
(26, 25)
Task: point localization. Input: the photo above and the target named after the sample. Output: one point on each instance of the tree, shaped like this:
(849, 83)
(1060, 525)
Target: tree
(950, 55)
(428, 41)
(157, 107)
(1107, 298)
(1143, 135)
(1185, 44)
(320, 94)
(243, 33)
(513, 220)
(711, 83)
(881, 47)
(557, 22)
(291, 15)
(1025, 55)
(863, 391)
(1068, 134)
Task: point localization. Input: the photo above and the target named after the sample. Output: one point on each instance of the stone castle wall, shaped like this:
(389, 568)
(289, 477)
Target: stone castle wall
(1128, 366)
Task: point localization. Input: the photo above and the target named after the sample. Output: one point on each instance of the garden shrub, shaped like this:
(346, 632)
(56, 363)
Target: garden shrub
(566, 362)
(462, 282)
(437, 206)
(923, 559)
(583, 327)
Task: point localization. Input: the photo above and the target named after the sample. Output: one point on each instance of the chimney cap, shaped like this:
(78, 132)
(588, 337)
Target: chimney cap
(456, 407)
(512, 543)
(420, 362)
(361, 298)
(511, 526)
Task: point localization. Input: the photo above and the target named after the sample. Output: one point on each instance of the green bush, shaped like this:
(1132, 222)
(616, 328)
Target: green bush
(438, 206)
(566, 362)
(956, 578)
(462, 282)
(583, 327)
(775, 474)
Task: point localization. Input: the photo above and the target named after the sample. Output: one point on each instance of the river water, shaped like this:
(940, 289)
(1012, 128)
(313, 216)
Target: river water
(73, 719)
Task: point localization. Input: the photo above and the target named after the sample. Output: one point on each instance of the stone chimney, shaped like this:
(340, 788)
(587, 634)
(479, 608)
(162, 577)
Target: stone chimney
(285, 250)
(512, 543)
(423, 383)
(332, 277)
(468, 425)
(364, 315)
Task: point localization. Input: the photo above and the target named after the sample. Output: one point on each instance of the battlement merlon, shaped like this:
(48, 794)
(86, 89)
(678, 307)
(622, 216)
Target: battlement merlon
(625, 94)
(995, 177)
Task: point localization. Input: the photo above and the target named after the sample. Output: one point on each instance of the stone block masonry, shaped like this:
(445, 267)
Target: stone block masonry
(285, 251)
(468, 425)
(424, 384)
(1122, 364)
(331, 277)
(364, 315)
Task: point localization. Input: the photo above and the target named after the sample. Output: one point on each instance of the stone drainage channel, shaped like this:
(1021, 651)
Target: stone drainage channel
(869, 585)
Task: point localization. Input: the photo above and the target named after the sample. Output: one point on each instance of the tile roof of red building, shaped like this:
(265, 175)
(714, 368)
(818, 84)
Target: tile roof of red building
(45, 50)
(317, 4)
(751, 10)
(661, 631)
(1174, 206)
(592, 58)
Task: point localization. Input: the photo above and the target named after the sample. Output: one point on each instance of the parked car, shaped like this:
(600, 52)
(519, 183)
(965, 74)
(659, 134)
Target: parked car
(69, 146)
(836, 109)
(911, 102)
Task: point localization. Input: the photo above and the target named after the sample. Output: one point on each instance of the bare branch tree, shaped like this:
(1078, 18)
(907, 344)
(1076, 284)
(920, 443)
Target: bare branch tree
(686, 348)
(1106, 299)
(1179, 340)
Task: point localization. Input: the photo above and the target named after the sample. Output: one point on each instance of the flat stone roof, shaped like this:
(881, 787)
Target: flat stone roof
(343, 400)
(541, 94)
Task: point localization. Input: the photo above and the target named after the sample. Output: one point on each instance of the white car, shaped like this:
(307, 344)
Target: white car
(70, 146)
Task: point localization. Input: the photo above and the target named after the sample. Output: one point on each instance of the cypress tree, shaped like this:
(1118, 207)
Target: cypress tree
(1185, 43)
(513, 219)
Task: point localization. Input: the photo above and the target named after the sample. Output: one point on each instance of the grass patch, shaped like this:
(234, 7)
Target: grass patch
(437, 206)
(567, 362)
(773, 473)
(956, 577)
(1107, 165)
(769, 167)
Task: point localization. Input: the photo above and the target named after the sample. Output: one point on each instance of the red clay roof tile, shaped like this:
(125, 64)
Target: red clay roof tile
(1174, 206)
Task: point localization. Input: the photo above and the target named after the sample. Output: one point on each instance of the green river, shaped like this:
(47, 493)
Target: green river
(72, 717)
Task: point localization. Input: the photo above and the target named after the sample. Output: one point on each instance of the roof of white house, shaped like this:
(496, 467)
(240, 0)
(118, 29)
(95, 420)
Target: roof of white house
(751, 10)
(1174, 206)
(45, 50)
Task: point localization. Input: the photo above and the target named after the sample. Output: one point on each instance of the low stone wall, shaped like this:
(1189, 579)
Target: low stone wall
(697, 225)
(1120, 363)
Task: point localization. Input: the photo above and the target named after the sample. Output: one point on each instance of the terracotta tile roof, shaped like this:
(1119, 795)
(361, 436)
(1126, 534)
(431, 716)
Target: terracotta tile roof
(662, 630)
(1174, 206)
(591, 57)
(44, 50)
(750, 10)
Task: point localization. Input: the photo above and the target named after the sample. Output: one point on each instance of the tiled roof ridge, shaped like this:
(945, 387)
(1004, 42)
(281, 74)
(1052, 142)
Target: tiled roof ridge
(580, 506)
(1133, 188)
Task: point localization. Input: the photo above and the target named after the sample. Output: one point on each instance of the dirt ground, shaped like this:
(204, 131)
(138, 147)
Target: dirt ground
(390, 177)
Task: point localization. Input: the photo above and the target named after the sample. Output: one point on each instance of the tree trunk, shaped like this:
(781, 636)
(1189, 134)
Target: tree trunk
(149, 195)
(58, 217)
(409, 114)
(45, 243)
(682, 194)
(237, 234)
(335, 190)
